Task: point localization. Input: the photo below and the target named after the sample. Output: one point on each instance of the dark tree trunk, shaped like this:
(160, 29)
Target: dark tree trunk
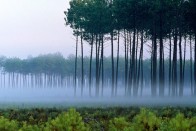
(130, 64)
(99, 64)
(137, 66)
(170, 63)
(97, 67)
(112, 58)
(184, 60)
(125, 46)
(76, 61)
(195, 67)
(127, 57)
(133, 71)
(117, 62)
(191, 67)
(161, 66)
(174, 66)
(181, 67)
(154, 62)
(82, 53)
(102, 65)
(142, 70)
(90, 72)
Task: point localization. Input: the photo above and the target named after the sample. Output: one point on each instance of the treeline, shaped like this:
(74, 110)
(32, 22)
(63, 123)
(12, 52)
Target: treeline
(163, 28)
(49, 64)
(42, 71)
(53, 70)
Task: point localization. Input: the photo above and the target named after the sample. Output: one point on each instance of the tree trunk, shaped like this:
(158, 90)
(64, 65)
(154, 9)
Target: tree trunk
(76, 61)
(112, 58)
(90, 70)
(102, 65)
(191, 67)
(195, 67)
(117, 62)
(125, 46)
(181, 69)
(161, 66)
(82, 53)
(154, 62)
(184, 60)
(174, 66)
(140, 68)
(97, 68)
(170, 63)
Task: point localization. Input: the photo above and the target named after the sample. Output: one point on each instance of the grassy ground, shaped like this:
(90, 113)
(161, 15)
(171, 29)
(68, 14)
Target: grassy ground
(96, 119)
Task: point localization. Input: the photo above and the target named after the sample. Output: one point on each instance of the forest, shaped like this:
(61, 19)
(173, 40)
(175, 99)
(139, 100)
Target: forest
(146, 83)
(55, 71)
(163, 30)
(152, 45)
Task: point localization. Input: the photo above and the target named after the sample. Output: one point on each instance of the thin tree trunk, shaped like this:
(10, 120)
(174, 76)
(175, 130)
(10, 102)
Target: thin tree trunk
(170, 63)
(125, 46)
(161, 82)
(133, 71)
(141, 53)
(130, 63)
(97, 67)
(191, 67)
(112, 58)
(82, 53)
(181, 67)
(137, 67)
(90, 72)
(102, 65)
(195, 67)
(184, 60)
(76, 61)
(174, 68)
(154, 62)
(127, 57)
(117, 62)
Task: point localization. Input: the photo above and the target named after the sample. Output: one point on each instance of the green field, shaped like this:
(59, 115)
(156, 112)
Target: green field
(99, 119)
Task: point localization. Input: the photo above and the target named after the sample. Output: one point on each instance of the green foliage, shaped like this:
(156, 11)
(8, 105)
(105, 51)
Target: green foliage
(146, 120)
(193, 124)
(67, 121)
(26, 127)
(95, 119)
(7, 125)
(179, 123)
(119, 124)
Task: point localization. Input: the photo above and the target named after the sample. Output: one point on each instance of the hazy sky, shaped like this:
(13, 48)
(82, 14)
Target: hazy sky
(33, 27)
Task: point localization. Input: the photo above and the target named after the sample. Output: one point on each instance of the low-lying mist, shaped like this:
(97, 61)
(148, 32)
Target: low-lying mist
(64, 97)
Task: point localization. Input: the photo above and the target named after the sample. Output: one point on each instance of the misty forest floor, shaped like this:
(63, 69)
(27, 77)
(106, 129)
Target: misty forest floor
(80, 102)
(99, 119)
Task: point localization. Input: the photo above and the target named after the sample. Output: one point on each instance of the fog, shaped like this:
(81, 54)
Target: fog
(37, 27)
(64, 97)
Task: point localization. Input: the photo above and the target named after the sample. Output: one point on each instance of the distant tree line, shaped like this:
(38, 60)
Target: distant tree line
(53, 70)
(44, 70)
(164, 28)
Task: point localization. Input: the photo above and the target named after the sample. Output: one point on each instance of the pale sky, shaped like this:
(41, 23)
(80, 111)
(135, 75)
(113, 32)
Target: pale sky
(33, 27)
